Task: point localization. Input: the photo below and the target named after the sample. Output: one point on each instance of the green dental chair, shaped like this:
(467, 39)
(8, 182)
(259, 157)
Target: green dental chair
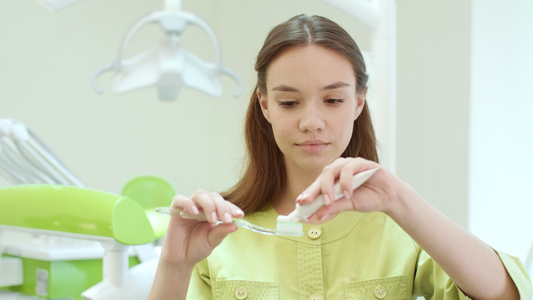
(121, 223)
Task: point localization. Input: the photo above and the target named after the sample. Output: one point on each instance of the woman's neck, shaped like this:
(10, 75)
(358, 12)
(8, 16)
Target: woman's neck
(297, 181)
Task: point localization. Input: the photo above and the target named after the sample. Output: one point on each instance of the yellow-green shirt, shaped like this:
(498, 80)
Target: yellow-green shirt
(354, 256)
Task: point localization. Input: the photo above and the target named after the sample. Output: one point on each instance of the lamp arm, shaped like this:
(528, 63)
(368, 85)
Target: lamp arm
(173, 5)
(170, 27)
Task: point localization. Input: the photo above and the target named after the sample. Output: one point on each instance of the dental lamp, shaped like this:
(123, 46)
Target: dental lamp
(168, 65)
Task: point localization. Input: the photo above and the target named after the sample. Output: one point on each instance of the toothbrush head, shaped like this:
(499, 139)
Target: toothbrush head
(288, 226)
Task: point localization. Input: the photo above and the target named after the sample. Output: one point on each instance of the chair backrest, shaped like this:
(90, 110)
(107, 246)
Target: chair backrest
(151, 192)
(75, 212)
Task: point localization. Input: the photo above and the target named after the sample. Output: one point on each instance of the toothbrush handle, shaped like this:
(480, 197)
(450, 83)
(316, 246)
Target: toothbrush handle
(180, 213)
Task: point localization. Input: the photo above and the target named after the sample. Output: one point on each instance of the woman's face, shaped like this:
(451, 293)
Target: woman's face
(311, 103)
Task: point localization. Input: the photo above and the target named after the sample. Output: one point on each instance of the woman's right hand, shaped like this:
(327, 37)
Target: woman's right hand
(189, 241)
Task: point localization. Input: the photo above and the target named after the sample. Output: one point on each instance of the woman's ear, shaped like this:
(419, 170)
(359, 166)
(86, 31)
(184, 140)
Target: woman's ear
(360, 98)
(263, 102)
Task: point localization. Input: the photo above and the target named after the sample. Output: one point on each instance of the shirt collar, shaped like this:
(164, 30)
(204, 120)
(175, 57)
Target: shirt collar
(333, 230)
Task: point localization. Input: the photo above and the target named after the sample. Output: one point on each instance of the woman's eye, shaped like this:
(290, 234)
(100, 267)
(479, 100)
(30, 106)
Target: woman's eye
(287, 104)
(334, 101)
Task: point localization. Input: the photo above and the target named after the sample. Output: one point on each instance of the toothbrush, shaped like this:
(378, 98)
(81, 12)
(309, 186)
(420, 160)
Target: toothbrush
(303, 212)
(175, 212)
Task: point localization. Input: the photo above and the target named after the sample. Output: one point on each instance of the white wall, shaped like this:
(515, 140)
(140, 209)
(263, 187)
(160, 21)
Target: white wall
(501, 126)
(433, 84)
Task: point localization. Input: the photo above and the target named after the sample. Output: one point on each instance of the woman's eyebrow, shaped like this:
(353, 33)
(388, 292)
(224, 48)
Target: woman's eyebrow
(286, 88)
(336, 85)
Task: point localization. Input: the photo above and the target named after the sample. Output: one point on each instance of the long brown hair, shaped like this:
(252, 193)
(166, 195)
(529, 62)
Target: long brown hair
(264, 177)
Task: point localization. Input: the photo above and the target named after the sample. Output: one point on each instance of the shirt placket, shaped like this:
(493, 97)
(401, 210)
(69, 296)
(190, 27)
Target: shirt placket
(310, 271)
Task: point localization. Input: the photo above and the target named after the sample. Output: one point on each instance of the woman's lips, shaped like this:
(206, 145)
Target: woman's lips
(312, 147)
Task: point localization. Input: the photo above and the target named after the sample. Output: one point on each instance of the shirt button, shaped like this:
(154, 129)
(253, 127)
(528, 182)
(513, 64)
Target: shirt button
(316, 297)
(314, 233)
(241, 293)
(380, 292)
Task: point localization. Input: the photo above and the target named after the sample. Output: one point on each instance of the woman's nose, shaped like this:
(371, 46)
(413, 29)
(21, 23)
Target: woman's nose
(311, 119)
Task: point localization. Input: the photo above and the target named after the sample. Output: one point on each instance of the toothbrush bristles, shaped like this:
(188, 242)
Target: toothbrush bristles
(289, 228)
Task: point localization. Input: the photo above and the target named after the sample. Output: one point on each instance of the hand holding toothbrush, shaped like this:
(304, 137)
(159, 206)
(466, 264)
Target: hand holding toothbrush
(191, 240)
(188, 241)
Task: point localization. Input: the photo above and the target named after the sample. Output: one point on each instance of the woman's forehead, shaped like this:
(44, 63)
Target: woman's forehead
(299, 67)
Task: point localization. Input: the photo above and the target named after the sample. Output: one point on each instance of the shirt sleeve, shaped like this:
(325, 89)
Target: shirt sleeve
(200, 284)
(432, 282)
(518, 274)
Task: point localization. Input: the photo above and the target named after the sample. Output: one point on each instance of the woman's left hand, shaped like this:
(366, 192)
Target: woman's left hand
(378, 193)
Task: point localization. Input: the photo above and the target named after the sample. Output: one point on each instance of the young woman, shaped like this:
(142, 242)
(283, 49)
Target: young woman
(307, 127)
